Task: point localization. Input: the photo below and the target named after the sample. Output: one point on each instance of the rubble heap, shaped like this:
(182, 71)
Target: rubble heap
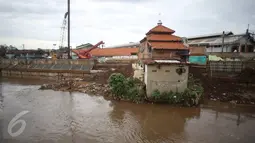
(89, 88)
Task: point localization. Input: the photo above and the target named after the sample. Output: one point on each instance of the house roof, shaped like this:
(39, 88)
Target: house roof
(216, 41)
(160, 29)
(108, 52)
(168, 45)
(160, 37)
(227, 33)
(165, 37)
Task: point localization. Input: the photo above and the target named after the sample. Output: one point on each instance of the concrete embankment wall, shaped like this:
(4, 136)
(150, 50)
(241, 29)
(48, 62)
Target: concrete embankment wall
(45, 68)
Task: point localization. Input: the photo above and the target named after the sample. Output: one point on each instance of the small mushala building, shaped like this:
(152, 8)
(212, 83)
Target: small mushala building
(163, 61)
(160, 43)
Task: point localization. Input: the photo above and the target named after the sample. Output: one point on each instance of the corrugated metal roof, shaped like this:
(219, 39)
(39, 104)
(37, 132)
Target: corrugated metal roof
(216, 41)
(210, 35)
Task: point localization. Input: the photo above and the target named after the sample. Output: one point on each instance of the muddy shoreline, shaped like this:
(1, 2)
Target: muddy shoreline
(218, 91)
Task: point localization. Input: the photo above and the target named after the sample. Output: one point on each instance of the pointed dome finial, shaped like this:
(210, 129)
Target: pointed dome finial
(159, 22)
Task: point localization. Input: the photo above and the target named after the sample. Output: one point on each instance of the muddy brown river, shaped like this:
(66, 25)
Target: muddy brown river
(63, 117)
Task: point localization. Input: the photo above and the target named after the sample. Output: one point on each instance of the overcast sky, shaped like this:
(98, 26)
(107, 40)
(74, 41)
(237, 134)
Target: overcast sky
(36, 23)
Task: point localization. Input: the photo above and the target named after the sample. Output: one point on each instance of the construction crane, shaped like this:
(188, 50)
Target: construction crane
(85, 54)
(63, 31)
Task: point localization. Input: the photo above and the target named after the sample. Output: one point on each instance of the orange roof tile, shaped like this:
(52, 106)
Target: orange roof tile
(168, 45)
(163, 37)
(160, 29)
(104, 52)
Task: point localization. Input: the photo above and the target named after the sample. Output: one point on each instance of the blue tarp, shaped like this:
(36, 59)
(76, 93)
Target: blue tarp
(198, 60)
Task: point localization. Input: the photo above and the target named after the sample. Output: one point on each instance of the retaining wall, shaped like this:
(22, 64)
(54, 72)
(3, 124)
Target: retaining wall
(45, 68)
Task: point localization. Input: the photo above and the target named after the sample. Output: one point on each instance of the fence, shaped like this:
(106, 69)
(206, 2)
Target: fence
(228, 68)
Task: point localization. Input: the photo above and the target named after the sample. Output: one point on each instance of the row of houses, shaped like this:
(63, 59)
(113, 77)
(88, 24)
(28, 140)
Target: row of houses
(224, 42)
(198, 47)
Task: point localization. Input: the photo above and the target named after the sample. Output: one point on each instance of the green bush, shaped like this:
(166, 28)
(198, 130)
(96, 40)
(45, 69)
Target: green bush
(155, 94)
(117, 83)
(126, 88)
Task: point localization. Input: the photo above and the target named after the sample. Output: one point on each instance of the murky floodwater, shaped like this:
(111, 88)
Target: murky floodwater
(62, 117)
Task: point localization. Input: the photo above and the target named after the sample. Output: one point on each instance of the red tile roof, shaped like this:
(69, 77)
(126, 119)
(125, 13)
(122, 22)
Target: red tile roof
(167, 45)
(163, 37)
(160, 29)
(108, 52)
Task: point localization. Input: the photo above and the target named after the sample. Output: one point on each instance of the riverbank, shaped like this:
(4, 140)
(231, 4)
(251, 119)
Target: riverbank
(130, 89)
(215, 90)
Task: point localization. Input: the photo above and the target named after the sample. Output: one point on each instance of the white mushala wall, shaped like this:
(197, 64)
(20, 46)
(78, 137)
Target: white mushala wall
(165, 78)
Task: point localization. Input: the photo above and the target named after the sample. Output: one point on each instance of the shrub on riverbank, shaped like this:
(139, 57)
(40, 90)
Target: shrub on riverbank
(126, 88)
(133, 90)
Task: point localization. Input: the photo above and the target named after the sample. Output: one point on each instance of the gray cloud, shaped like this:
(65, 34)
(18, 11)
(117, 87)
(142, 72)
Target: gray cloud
(120, 21)
(31, 7)
(122, 1)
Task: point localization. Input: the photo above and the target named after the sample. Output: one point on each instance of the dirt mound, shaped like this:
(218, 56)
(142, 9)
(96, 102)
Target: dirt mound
(247, 75)
(89, 88)
(229, 89)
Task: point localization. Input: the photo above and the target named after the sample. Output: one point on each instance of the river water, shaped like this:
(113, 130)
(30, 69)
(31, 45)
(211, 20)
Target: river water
(63, 117)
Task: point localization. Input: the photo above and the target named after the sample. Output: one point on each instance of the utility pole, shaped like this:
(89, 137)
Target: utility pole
(68, 29)
(246, 38)
(223, 35)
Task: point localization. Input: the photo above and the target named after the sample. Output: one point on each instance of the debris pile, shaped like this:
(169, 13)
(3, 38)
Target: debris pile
(89, 88)
(94, 88)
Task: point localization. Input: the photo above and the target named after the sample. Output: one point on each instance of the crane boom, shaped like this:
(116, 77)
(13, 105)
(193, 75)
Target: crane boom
(63, 31)
(85, 54)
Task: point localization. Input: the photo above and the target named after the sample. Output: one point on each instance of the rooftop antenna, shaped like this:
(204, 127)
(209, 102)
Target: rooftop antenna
(247, 30)
(159, 22)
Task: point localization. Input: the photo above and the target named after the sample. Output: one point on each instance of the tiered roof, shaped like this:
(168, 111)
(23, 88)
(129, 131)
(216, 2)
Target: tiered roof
(161, 37)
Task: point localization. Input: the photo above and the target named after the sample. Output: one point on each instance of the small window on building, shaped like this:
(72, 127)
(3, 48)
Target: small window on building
(154, 70)
(167, 70)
